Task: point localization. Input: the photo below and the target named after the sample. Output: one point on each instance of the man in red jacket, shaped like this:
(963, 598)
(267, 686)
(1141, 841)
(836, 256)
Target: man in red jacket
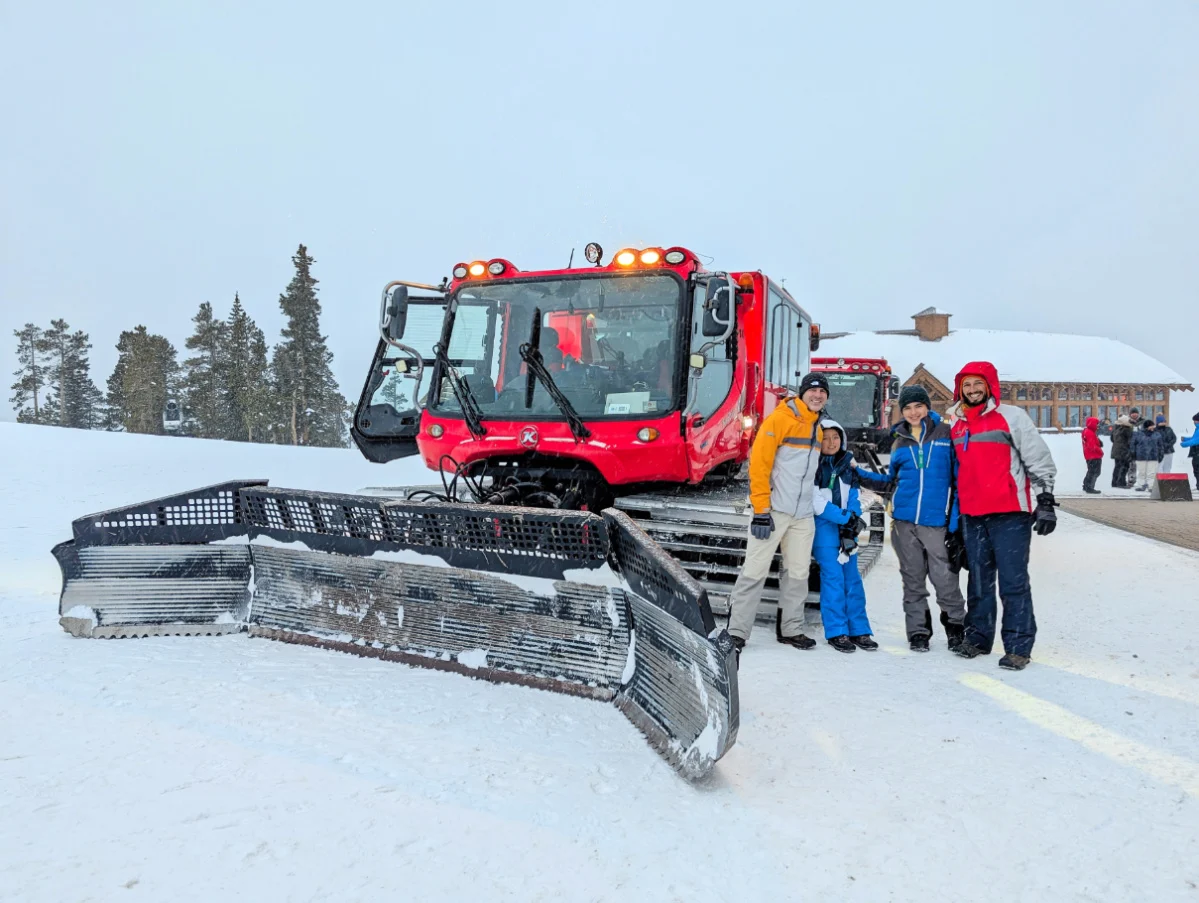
(1092, 452)
(1001, 459)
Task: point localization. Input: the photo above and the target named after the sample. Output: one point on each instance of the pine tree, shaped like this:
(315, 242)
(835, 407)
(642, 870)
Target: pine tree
(313, 409)
(29, 389)
(204, 379)
(72, 397)
(145, 376)
(248, 392)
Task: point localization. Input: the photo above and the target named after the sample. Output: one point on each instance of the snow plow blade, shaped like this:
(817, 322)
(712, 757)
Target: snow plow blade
(572, 602)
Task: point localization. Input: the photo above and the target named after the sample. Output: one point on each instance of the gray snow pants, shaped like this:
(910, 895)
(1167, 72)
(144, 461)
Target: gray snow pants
(922, 555)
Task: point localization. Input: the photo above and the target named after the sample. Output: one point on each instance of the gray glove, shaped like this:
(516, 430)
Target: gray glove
(761, 526)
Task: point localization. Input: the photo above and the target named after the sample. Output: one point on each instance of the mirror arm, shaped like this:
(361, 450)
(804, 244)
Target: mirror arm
(385, 319)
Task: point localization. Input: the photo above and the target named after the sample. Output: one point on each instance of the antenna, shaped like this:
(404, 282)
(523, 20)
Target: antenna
(572, 259)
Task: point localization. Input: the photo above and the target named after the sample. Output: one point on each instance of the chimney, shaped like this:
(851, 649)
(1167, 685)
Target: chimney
(932, 324)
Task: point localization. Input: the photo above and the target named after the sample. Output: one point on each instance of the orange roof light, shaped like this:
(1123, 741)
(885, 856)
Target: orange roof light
(626, 258)
(746, 280)
(478, 268)
(651, 256)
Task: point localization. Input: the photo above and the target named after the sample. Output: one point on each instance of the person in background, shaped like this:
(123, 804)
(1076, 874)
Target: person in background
(1134, 418)
(1001, 460)
(782, 474)
(924, 520)
(1092, 452)
(1169, 441)
(838, 522)
(1147, 449)
(1122, 432)
(1192, 442)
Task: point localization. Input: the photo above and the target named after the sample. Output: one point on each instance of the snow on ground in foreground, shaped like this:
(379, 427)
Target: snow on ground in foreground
(228, 768)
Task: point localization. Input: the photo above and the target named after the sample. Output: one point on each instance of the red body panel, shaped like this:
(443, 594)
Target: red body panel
(682, 453)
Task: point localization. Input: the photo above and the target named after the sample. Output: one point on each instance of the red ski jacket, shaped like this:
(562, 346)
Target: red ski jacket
(1092, 447)
(1003, 462)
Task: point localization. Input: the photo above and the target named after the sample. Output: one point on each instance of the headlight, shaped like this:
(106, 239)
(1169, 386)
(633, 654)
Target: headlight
(675, 257)
(436, 430)
(495, 267)
(460, 271)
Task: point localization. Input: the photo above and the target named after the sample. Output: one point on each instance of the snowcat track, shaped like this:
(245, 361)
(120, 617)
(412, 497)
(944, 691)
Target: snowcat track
(571, 602)
(705, 530)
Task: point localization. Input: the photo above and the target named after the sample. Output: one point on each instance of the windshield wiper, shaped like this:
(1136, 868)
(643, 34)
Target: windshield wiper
(530, 353)
(471, 412)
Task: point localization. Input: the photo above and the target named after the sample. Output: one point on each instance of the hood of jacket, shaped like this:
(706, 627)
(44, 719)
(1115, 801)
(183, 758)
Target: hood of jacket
(1092, 423)
(986, 370)
(1123, 420)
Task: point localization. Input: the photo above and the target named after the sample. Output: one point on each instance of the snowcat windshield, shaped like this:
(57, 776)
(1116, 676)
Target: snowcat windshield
(851, 399)
(610, 343)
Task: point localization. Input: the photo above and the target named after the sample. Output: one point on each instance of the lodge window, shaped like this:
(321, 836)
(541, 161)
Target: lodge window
(1140, 395)
(1160, 395)
(1022, 394)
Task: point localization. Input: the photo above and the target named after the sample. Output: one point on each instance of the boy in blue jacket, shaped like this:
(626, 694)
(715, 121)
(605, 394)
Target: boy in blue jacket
(838, 522)
(924, 519)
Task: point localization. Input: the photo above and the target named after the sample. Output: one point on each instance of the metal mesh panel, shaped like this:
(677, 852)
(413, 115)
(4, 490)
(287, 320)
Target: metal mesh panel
(653, 574)
(522, 540)
(199, 516)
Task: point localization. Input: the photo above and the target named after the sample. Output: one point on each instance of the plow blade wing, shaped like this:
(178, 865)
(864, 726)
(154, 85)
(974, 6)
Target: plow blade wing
(570, 602)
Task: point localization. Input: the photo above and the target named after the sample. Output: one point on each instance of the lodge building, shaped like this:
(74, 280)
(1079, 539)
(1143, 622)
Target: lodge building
(1059, 380)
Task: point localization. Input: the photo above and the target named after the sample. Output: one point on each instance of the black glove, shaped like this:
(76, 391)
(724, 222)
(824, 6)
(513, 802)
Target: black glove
(1046, 519)
(848, 533)
(761, 526)
(955, 548)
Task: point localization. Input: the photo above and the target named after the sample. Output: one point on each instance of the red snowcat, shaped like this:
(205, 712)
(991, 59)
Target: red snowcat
(862, 390)
(588, 424)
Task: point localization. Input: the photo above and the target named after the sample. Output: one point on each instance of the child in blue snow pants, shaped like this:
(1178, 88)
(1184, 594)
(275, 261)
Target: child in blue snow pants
(835, 504)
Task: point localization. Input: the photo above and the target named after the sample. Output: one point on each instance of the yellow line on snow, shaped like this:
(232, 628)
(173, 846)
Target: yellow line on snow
(1161, 766)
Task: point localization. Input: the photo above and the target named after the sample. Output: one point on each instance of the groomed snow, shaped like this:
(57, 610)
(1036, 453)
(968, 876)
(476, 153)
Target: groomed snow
(213, 768)
(1017, 355)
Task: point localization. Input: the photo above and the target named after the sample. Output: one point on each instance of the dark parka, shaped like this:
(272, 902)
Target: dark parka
(1147, 444)
(1122, 431)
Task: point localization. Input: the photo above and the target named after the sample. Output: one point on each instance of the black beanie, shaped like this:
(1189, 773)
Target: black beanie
(1196, 418)
(813, 381)
(914, 395)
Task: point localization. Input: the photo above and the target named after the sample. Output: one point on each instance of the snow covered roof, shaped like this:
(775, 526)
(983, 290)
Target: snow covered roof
(931, 312)
(1019, 356)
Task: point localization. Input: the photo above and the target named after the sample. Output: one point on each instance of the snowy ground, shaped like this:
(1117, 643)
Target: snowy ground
(219, 768)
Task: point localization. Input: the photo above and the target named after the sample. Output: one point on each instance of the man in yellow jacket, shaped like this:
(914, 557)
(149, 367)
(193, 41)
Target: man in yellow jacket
(782, 475)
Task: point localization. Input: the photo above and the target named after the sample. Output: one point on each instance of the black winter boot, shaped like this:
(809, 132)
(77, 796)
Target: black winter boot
(1012, 662)
(738, 645)
(842, 644)
(864, 641)
(918, 642)
(799, 641)
(955, 634)
(965, 650)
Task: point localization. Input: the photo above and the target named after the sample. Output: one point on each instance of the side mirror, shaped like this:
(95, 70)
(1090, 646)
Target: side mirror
(395, 313)
(718, 310)
(697, 362)
(814, 337)
(894, 388)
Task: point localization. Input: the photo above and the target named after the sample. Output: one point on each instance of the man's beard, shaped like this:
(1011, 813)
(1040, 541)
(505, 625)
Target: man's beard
(975, 404)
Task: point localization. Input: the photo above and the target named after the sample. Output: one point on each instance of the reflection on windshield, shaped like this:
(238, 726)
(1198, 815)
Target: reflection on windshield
(851, 398)
(610, 344)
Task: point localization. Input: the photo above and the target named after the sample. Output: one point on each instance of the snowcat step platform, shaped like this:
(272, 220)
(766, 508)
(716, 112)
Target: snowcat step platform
(571, 602)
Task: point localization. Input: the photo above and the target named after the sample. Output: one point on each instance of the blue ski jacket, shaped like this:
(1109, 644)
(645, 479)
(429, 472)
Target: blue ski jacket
(836, 496)
(922, 475)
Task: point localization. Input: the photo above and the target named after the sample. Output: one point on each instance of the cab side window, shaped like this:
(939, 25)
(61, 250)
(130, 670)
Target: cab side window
(784, 355)
(713, 387)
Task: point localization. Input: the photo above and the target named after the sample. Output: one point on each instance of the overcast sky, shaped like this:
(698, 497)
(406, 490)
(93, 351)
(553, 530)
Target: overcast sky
(1024, 165)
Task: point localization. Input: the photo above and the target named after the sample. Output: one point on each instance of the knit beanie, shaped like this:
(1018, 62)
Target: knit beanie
(813, 381)
(1161, 418)
(914, 395)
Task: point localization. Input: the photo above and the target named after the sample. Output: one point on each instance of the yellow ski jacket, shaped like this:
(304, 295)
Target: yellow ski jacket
(783, 460)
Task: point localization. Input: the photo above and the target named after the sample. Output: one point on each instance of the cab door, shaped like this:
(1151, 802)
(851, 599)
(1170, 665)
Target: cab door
(712, 421)
(387, 419)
